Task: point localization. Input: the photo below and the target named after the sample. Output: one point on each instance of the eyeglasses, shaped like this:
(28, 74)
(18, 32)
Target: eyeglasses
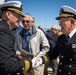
(64, 20)
(25, 21)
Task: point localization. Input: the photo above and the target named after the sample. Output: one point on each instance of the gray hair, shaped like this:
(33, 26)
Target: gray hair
(29, 15)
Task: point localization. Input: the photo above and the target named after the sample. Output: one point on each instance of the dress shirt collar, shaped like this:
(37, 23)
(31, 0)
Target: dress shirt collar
(29, 32)
(72, 33)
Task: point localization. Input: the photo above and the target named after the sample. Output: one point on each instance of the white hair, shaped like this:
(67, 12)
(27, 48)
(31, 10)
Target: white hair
(28, 15)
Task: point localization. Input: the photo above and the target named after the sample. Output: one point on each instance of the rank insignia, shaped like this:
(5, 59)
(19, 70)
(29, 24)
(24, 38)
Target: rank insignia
(73, 45)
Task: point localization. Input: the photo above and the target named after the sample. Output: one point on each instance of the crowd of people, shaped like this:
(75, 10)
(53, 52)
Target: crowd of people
(25, 50)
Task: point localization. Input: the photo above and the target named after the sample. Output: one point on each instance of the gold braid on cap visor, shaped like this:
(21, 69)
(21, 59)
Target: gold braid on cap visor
(15, 10)
(66, 15)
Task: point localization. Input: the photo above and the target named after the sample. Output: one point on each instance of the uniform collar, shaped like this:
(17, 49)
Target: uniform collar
(72, 33)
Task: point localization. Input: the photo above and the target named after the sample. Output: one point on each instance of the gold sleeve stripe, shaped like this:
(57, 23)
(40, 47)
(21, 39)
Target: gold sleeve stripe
(27, 66)
(46, 58)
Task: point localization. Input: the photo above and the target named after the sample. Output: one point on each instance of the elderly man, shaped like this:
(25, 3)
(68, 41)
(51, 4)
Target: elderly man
(11, 17)
(65, 46)
(32, 40)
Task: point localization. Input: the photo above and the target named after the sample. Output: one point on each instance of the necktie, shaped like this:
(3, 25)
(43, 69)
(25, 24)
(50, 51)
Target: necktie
(67, 37)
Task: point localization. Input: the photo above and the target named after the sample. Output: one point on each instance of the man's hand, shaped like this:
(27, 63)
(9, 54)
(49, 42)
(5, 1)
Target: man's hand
(19, 56)
(36, 62)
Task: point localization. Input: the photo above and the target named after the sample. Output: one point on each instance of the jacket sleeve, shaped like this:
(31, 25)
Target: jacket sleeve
(53, 54)
(50, 55)
(8, 62)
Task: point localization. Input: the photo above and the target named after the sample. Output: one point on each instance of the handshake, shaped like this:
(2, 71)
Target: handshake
(36, 62)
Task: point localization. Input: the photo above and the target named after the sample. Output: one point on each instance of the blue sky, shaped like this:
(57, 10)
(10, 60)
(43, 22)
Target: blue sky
(45, 11)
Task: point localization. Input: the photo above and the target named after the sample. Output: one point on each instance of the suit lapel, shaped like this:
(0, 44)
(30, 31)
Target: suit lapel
(73, 38)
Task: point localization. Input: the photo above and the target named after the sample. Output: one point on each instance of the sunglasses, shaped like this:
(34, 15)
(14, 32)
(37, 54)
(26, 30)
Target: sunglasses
(25, 21)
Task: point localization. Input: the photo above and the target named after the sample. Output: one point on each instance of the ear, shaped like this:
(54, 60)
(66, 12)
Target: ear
(8, 14)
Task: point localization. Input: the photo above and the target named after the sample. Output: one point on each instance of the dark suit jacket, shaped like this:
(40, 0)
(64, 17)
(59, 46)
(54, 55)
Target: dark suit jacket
(67, 52)
(52, 38)
(8, 62)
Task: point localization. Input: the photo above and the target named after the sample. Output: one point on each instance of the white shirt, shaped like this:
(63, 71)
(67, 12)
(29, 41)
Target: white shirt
(72, 33)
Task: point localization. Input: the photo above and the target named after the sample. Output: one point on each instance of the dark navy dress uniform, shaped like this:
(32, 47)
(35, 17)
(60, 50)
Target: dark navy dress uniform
(9, 63)
(65, 47)
(67, 51)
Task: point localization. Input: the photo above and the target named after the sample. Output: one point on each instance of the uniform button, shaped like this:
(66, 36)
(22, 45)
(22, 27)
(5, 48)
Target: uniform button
(70, 66)
(60, 63)
(59, 70)
(69, 73)
(71, 59)
(62, 56)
